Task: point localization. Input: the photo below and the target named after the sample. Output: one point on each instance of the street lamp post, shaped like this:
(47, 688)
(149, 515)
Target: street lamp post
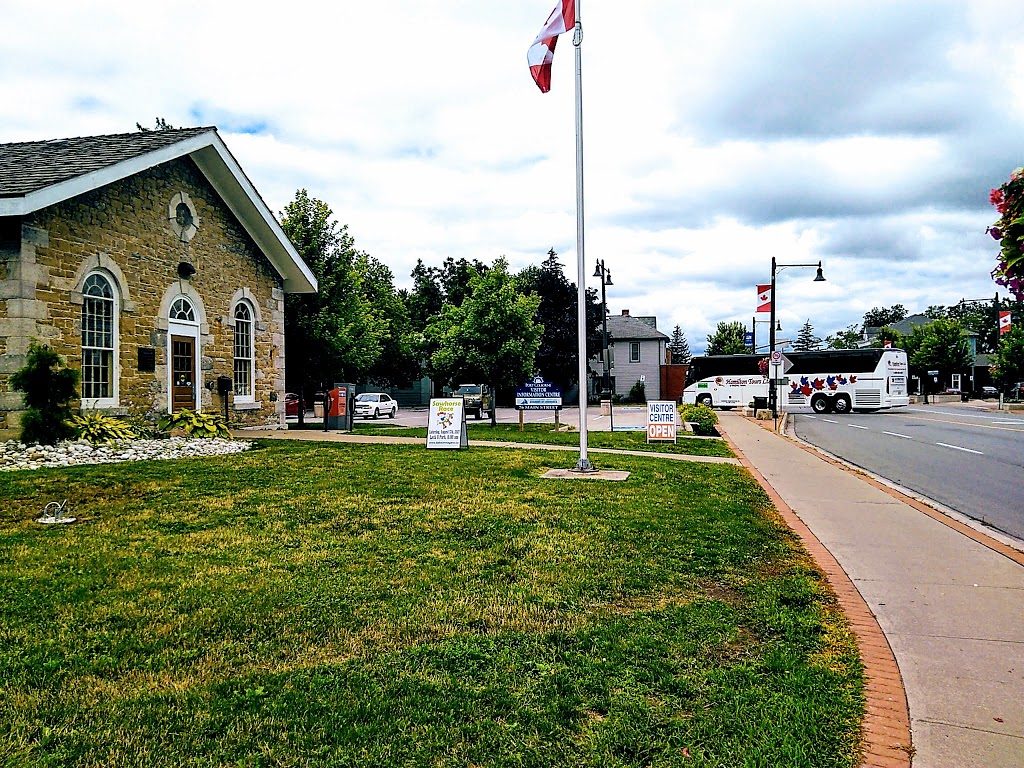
(753, 331)
(772, 389)
(606, 382)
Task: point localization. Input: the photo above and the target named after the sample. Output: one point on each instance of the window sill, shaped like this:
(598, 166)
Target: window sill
(246, 405)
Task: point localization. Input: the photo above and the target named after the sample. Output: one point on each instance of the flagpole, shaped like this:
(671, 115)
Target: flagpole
(583, 465)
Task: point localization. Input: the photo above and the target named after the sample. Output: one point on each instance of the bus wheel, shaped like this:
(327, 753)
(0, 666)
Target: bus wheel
(704, 400)
(821, 404)
(841, 404)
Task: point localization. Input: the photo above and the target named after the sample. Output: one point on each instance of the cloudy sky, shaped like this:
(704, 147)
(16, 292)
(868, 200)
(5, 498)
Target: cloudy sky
(717, 134)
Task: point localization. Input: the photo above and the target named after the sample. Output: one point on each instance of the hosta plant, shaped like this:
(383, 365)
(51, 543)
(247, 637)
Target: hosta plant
(196, 424)
(97, 428)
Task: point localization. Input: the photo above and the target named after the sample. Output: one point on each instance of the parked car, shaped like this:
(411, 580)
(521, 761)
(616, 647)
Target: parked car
(987, 392)
(477, 398)
(292, 403)
(375, 404)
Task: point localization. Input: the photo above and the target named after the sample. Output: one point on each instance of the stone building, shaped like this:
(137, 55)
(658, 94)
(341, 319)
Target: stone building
(150, 262)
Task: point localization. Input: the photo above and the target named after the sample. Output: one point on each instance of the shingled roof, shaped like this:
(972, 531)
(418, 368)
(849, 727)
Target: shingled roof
(37, 174)
(628, 327)
(30, 166)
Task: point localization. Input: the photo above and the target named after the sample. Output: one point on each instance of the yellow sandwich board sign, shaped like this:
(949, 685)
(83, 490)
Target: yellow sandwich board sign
(446, 423)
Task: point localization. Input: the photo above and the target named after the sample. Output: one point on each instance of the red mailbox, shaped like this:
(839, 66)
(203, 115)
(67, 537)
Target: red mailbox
(339, 401)
(339, 412)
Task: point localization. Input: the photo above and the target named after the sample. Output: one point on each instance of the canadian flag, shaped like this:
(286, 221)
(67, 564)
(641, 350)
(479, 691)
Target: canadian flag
(1004, 322)
(542, 52)
(764, 298)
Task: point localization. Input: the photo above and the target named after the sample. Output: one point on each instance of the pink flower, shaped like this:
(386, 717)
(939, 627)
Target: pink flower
(995, 196)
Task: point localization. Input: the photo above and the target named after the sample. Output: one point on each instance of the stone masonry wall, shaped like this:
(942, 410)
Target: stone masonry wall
(124, 230)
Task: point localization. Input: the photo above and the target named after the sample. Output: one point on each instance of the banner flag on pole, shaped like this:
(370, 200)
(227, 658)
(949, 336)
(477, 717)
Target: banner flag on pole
(542, 52)
(764, 298)
(1004, 322)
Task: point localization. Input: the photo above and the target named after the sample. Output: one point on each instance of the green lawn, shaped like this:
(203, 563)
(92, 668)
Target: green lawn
(546, 434)
(310, 604)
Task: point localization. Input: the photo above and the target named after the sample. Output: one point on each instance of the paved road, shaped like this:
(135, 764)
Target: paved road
(967, 459)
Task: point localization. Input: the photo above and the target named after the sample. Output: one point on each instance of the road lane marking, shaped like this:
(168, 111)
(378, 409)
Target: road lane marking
(1017, 423)
(856, 426)
(958, 448)
(990, 425)
(831, 421)
(897, 434)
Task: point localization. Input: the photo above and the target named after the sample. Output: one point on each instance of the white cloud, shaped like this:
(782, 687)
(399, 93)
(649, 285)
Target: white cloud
(715, 135)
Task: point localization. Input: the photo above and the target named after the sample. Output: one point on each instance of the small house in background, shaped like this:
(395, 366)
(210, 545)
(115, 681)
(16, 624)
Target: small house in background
(636, 348)
(151, 263)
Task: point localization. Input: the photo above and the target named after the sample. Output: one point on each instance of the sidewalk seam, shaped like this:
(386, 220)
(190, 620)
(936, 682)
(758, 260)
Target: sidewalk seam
(886, 741)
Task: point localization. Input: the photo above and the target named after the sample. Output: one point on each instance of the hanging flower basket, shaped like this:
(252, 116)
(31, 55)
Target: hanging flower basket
(1009, 231)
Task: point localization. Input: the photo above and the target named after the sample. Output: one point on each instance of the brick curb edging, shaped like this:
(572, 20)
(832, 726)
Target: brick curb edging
(885, 730)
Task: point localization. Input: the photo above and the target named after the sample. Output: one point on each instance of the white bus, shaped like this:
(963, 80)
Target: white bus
(837, 380)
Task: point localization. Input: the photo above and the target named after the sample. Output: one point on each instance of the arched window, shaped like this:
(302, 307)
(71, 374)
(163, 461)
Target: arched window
(243, 352)
(99, 340)
(182, 311)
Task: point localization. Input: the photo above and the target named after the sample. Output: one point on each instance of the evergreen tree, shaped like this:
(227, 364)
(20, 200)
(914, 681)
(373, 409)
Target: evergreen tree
(679, 347)
(558, 353)
(805, 339)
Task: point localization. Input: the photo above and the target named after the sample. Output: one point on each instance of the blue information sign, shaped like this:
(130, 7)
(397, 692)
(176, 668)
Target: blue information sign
(538, 395)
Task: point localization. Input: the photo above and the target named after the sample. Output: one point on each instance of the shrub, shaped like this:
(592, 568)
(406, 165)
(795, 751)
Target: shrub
(97, 428)
(637, 393)
(49, 387)
(701, 416)
(196, 424)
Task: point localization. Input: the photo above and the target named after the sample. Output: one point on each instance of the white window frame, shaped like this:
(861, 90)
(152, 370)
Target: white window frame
(250, 321)
(111, 400)
(634, 345)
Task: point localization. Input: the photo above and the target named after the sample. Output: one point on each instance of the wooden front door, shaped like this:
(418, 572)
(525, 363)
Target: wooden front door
(183, 373)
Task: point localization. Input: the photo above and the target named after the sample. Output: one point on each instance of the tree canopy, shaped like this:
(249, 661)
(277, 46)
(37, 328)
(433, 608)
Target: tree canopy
(491, 337)
(558, 352)
(1009, 358)
(876, 317)
(340, 332)
(728, 339)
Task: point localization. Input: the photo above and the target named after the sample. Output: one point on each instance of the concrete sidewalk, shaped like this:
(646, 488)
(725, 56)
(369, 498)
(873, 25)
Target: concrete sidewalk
(949, 601)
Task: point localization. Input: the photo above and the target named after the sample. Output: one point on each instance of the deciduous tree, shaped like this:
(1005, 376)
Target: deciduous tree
(335, 334)
(876, 317)
(491, 337)
(728, 339)
(1010, 356)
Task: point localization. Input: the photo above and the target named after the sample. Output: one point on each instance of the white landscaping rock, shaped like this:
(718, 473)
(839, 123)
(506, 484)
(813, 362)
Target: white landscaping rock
(15, 455)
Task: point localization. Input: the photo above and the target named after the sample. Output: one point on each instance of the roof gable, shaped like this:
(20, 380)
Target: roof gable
(37, 174)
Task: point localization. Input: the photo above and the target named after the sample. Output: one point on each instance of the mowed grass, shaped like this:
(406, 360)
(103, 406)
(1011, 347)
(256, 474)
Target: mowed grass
(546, 434)
(383, 605)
